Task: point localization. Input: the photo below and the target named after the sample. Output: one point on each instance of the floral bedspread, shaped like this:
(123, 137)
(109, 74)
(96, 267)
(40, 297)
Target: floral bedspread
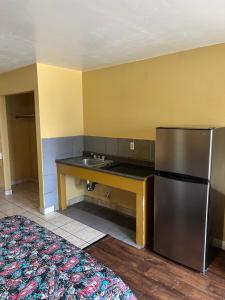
(35, 263)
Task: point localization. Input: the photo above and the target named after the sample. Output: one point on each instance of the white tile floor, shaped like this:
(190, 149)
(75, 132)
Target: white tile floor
(85, 212)
(24, 202)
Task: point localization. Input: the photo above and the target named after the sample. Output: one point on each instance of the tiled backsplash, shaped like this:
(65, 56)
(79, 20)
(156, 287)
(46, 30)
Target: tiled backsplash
(53, 148)
(143, 149)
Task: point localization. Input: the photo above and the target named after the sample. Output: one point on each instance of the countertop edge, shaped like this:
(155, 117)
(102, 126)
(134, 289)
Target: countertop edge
(63, 162)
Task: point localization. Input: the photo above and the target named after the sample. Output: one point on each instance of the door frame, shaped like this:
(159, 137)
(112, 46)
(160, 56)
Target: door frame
(5, 145)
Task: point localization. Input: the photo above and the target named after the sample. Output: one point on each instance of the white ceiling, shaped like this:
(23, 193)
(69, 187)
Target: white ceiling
(87, 34)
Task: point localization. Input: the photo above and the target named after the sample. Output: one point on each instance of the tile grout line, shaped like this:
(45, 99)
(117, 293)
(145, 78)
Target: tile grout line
(34, 218)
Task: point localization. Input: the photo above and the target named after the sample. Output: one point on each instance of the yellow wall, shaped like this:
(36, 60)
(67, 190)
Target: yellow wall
(61, 108)
(60, 101)
(75, 187)
(130, 100)
(33, 150)
(22, 137)
(1, 174)
(119, 200)
(58, 104)
(1, 167)
(18, 81)
(15, 82)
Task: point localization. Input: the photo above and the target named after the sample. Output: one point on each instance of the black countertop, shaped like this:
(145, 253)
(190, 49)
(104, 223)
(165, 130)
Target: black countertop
(134, 169)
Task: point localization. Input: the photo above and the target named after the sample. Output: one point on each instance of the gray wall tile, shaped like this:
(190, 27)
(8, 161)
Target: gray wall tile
(49, 166)
(52, 149)
(124, 148)
(78, 145)
(152, 155)
(142, 149)
(50, 183)
(52, 199)
(57, 147)
(94, 144)
(111, 146)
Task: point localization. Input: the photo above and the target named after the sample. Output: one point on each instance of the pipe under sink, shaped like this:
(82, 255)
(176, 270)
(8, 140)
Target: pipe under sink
(94, 163)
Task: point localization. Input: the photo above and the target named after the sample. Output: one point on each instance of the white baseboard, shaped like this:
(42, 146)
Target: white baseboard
(19, 181)
(47, 210)
(75, 200)
(218, 243)
(8, 192)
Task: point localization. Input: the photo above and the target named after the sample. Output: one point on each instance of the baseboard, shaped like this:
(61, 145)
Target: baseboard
(19, 181)
(218, 243)
(47, 210)
(8, 192)
(75, 200)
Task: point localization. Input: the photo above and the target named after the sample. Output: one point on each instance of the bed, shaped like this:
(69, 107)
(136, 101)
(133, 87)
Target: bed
(35, 263)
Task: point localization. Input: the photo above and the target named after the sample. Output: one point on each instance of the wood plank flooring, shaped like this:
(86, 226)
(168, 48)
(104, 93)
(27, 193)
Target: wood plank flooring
(153, 277)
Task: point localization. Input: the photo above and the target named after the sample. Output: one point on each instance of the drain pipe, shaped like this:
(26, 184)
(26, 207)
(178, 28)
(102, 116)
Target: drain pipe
(90, 185)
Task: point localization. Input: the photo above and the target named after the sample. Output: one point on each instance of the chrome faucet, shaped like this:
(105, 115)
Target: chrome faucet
(95, 156)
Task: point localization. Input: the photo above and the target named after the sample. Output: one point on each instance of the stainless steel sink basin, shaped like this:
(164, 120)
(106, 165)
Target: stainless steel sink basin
(90, 162)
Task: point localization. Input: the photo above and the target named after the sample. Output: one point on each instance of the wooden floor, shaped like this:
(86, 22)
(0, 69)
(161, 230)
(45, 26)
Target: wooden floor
(153, 277)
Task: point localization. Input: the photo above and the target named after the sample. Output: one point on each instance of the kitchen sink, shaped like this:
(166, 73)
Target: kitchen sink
(90, 162)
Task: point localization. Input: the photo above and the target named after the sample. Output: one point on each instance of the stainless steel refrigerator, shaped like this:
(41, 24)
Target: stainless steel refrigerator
(190, 171)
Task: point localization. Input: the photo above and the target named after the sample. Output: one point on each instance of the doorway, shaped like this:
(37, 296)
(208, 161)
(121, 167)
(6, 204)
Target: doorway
(22, 144)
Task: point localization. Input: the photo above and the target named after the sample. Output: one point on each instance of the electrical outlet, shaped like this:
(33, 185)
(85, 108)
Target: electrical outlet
(1, 156)
(132, 146)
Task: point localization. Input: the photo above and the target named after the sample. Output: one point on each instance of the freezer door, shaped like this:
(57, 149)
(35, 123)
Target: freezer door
(180, 221)
(184, 151)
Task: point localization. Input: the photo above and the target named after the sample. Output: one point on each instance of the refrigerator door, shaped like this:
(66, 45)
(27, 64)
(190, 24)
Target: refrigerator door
(184, 151)
(180, 221)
